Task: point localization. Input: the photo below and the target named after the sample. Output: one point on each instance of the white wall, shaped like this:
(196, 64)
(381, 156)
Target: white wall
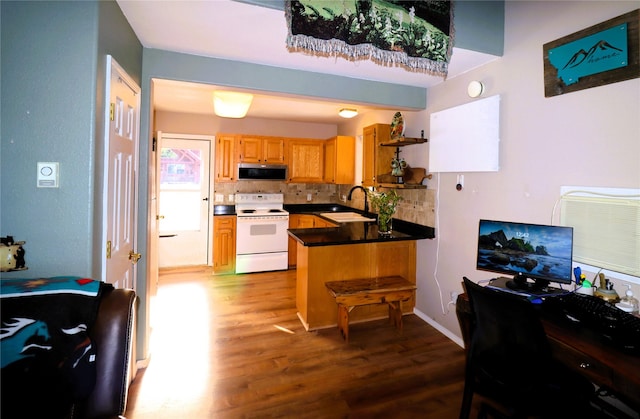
(183, 123)
(587, 138)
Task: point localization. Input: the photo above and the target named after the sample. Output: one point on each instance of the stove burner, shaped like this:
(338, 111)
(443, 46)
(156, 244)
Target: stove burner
(275, 210)
(248, 211)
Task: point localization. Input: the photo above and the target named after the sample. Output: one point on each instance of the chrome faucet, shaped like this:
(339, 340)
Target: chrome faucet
(366, 203)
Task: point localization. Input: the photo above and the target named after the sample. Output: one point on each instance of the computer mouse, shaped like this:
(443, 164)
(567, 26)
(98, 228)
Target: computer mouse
(535, 300)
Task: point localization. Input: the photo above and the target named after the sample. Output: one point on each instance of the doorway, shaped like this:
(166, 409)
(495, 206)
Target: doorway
(184, 204)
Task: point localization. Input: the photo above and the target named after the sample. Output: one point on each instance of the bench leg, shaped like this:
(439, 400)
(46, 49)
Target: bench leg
(395, 314)
(343, 321)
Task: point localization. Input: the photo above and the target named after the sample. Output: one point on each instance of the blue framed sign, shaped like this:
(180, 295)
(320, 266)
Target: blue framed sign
(602, 54)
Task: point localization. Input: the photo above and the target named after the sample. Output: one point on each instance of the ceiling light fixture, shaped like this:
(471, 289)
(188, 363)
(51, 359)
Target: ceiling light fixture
(231, 104)
(348, 113)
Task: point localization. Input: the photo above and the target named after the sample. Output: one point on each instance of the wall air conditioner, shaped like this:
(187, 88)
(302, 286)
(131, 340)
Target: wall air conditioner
(606, 227)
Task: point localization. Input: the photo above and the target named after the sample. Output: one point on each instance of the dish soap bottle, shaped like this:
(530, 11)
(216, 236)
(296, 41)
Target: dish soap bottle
(629, 303)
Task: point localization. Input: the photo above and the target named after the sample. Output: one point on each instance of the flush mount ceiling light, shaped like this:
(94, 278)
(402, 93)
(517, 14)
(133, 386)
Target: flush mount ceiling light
(475, 88)
(348, 113)
(231, 104)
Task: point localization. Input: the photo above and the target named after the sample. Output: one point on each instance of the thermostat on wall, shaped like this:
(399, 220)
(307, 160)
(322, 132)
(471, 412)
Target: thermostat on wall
(47, 176)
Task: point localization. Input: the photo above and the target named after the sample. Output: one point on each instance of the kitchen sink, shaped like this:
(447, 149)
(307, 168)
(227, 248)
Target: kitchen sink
(346, 217)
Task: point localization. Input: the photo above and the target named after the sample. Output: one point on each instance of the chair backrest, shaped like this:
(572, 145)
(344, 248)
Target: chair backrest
(113, 334)
(509, 349)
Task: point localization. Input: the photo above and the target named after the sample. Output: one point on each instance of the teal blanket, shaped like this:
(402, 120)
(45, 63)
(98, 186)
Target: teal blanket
(48, 358)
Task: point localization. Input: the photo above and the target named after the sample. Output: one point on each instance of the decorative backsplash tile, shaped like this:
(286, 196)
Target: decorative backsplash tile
(417, 205)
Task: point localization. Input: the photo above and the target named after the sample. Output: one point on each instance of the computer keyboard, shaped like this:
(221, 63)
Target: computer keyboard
(621, 329)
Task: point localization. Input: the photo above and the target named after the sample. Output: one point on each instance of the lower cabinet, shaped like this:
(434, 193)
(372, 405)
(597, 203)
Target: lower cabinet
(224, 244)
(303, 221)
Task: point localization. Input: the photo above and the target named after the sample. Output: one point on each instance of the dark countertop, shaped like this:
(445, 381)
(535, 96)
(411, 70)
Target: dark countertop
(224, 210)
(351, 233)
(317, 208)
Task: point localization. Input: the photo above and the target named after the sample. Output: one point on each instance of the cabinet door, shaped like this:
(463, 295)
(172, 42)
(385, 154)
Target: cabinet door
(319, 222)
(330, 163)
(250, 149)
(225, 169)
(345, 157)
(376, 160)
(224, 246)
(273, 150)
(292, 248)
(306, 161)
(368, 155)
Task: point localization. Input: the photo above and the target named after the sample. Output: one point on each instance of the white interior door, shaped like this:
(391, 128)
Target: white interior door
(184, 200)
(121, 178)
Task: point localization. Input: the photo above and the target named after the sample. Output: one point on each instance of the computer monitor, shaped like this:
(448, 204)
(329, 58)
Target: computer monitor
(541, 253)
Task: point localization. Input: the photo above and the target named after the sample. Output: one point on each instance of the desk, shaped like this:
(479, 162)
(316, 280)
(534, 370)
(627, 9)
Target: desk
(583, 351)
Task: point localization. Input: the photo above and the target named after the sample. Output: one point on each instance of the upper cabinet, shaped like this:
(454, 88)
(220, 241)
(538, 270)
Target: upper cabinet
(225, 170)
(376, 160)
(259, 149)
(306, 160)
(339, 160)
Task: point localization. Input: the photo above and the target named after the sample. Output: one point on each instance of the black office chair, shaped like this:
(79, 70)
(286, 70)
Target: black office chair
(509, 363)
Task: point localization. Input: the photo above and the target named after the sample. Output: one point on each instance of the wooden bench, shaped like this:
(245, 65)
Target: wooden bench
(348, 294)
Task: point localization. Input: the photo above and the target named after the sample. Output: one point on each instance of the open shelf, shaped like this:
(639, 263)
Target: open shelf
(403, 141)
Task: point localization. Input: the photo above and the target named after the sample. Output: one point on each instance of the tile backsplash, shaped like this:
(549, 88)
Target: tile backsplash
(417, 205)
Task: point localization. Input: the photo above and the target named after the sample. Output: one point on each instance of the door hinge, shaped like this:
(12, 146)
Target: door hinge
(108, 249)
(112, 111)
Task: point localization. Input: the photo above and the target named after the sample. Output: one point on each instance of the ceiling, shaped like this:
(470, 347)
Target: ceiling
(243, 32)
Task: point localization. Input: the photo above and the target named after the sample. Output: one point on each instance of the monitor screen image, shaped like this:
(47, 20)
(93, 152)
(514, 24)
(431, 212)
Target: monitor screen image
(542, 253)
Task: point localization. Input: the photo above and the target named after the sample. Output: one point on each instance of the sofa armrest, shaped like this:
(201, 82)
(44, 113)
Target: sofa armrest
(113, 334)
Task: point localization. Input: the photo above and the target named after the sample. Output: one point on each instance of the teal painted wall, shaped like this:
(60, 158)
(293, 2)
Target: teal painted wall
(52, 93)
(479, 26)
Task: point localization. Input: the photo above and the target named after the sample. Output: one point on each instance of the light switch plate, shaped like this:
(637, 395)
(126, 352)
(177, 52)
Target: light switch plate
(48, 175)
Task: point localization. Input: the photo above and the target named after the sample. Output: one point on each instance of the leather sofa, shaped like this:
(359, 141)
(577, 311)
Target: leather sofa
(113, 333)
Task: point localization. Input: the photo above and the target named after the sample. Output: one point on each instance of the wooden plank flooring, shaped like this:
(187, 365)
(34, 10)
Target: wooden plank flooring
(233, 347)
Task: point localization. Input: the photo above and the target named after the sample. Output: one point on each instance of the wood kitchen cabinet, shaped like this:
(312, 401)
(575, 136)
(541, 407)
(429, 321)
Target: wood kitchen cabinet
(225, 170)
(261, 149)
(306, 160)
(376, 160)
(303, 221)
(339, 160)
(224, 246)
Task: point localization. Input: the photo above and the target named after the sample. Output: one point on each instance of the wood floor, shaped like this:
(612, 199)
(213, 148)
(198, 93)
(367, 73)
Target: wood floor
(233, 347)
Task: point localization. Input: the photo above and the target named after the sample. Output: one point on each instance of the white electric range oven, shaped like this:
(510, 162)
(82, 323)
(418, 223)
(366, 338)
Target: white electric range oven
(261, 233)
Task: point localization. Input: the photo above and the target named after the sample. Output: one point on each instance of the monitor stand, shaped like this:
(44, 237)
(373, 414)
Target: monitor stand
(520, 283)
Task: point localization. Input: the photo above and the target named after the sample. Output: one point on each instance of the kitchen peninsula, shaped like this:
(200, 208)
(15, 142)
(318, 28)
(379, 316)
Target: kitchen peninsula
(352, 250)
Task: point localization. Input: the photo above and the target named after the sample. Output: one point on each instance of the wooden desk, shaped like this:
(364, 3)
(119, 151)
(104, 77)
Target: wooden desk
(583, 351)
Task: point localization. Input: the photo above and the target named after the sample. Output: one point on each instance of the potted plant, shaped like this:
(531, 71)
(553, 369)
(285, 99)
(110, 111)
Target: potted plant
(385, 204)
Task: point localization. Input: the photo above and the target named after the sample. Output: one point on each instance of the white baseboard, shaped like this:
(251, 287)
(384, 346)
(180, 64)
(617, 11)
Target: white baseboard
(439, 327)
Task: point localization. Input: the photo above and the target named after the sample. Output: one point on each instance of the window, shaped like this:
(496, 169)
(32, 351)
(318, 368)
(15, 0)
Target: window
(606, 226)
